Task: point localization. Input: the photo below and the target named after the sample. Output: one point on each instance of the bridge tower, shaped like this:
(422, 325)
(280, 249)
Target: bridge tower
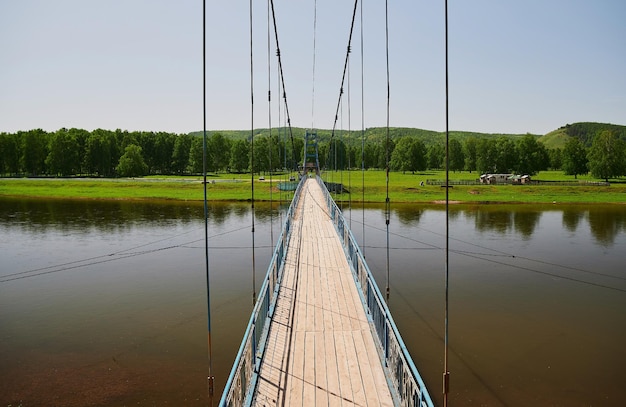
(311, 158)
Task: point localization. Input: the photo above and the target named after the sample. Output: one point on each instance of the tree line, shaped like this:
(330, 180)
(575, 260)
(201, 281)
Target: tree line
(605, 157)
(105, 153)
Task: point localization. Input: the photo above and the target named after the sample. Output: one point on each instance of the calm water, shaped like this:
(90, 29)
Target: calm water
(104, 303)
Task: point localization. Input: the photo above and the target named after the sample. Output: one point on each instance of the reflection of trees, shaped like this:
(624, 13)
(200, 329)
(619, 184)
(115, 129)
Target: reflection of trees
(263, 211)
(409, 215)
(75, 215)
(606, 223)
(525, 222)
(218, 212)
(84, 215)
(503, 220)
(493, 219)
(454, 213)
(571, 219)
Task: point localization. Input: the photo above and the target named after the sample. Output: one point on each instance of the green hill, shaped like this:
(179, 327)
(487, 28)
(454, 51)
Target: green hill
(585, 131)
(371, 134)
(554, 139)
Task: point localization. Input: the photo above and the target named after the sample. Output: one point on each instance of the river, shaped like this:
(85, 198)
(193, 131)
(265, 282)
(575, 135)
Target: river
(104, 302)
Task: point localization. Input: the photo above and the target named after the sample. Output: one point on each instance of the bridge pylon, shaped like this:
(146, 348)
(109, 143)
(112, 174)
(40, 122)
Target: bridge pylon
(311, 160)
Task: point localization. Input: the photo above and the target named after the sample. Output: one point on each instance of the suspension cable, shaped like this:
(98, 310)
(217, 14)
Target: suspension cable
(345, 67)
(446, 373)
(387, 141)
(314, 52)
(282, 79)
(284, 155)
(269, 118)
(362, 135)
(210, 378)
(341, 158)
(348, 153)
(252, 156)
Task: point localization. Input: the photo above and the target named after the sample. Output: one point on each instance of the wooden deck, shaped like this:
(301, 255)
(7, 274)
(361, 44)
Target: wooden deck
(320, 349)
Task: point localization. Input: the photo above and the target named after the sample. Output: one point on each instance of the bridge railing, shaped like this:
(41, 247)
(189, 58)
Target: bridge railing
(244, 374)
(402, 373)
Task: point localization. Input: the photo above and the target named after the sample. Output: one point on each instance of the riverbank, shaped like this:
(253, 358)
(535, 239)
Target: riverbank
(403, 188)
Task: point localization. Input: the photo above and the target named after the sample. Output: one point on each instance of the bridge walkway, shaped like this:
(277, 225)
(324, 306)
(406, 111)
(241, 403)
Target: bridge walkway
(320, 348)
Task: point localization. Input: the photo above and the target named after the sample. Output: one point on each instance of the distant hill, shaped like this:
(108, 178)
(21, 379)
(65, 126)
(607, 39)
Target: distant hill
(554, 139)
(585, 131)
(372, 134)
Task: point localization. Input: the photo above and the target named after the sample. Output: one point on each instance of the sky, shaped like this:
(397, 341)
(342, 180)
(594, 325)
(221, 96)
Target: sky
(527, 66)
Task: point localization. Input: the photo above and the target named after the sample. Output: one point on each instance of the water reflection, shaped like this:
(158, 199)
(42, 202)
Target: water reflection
(606, 223)
(40, 215)
(503, 220)
(571, 218)
(132, 330)
(408, 214)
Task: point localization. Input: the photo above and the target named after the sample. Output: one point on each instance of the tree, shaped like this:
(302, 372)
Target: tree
(101, 153)
(9, 153)
(532, 156)
(505, 159)
(574, 157)
(337, 155)
(295, 149)
(260, 153)
(64, 153)
(180, 155)
(456, 155)
(486, 153)
(556, 158)
(164, 150)
(147, 141)
(371, 155)
(606, 156)
(34, 150)
(436, 156)
(409, 154)
(401, 159)
(132, 163)
(385, 150)
(196, 156)
(220, 151)
(274, 152)
(354, 155)
(470, 154)
(239, 156)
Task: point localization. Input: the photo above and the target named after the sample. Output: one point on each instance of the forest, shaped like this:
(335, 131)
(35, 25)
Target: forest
(589, 147)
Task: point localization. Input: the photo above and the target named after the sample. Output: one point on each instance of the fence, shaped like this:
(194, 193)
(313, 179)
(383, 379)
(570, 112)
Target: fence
(243, 377)
(531, 182)
(408, 386)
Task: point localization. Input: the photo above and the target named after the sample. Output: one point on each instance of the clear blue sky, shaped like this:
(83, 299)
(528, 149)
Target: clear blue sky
(515, 66)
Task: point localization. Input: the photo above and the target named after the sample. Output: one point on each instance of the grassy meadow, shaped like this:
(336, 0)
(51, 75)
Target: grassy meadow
(405, 188)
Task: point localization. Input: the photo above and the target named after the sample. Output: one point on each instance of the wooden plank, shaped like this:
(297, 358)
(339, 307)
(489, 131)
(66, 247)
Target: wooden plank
(332, 377)
(320, 350)
(308, 394)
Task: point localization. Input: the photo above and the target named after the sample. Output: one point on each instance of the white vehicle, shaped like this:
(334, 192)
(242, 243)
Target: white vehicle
(494, 178)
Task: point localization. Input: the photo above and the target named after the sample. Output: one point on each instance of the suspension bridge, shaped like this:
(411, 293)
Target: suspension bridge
(320, 332)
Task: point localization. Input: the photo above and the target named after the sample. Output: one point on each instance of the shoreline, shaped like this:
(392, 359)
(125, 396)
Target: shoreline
(402, 189)
(276, 201)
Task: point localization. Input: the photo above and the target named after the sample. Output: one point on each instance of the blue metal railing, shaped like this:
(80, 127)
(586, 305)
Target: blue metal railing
(244, 375)
(405, 380)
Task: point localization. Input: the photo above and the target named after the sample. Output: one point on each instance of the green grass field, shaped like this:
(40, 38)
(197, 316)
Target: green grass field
(404, 188)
